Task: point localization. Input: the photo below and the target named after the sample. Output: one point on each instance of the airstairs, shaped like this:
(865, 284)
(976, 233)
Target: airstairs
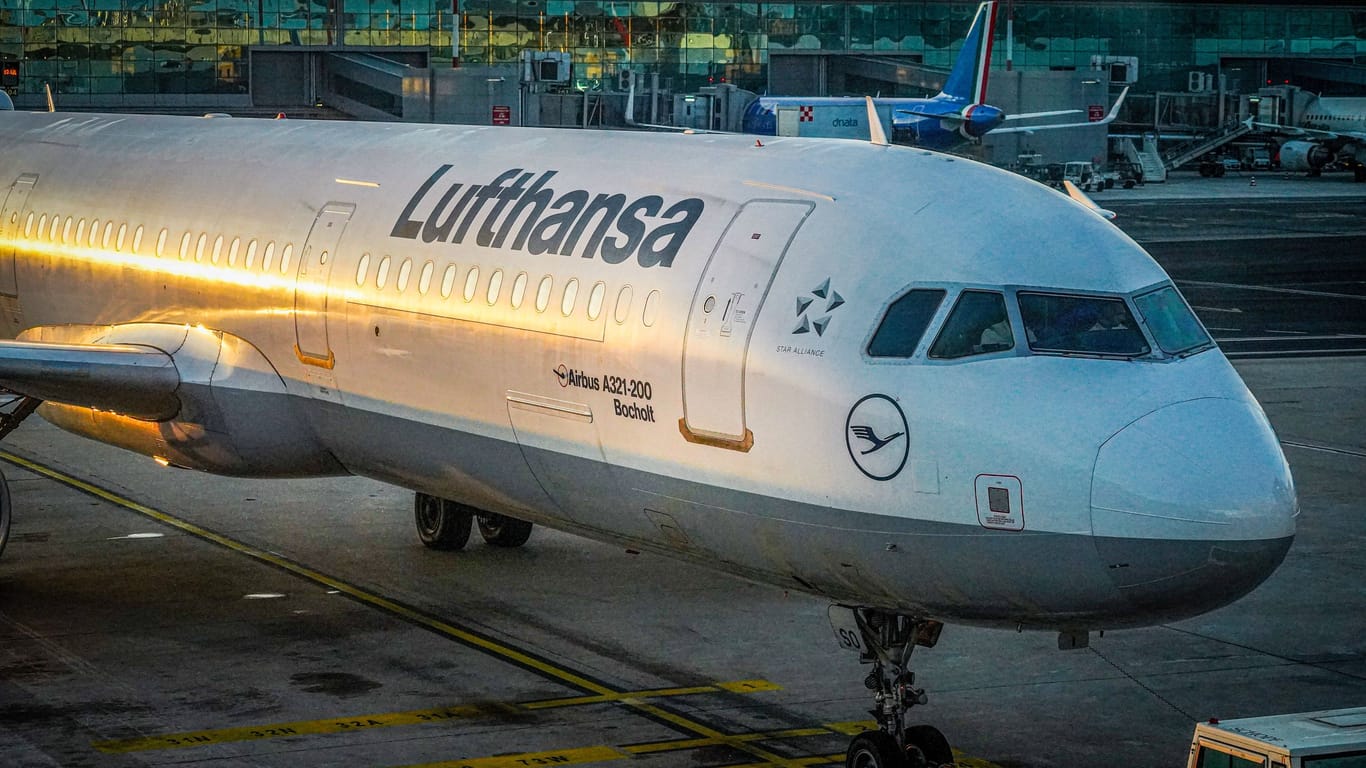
(1149, 159)
(1178, 156)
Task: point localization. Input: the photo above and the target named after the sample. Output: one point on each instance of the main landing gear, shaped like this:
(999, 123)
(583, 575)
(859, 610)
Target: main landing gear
(446, 524)
(885, 640)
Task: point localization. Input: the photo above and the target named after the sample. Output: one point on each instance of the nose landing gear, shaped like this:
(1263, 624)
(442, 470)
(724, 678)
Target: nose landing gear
(886, 640)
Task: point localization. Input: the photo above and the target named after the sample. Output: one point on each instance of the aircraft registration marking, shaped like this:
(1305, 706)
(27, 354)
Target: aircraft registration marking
(352, 723)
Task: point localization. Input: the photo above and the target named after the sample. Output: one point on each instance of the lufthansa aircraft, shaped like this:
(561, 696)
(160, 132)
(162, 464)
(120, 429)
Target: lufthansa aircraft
(923, 388)
(956, 116)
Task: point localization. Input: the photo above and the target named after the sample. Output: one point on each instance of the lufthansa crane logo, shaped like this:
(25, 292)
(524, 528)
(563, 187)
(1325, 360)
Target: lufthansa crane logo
(876, 435)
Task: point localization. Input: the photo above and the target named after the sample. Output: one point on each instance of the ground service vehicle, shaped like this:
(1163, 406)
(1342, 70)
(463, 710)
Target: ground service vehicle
(1327, 739)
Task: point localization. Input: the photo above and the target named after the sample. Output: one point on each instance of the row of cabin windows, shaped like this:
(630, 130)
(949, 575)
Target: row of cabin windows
(104, 234)
(384, 275)
(73, 231)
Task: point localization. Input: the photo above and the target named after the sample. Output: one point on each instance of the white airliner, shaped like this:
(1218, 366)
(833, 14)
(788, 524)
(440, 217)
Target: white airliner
(1332, 130)
(927, 389)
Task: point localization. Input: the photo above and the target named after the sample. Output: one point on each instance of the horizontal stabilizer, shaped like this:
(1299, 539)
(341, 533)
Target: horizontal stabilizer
(1109, 118)
(1052, 113)
(130, 379)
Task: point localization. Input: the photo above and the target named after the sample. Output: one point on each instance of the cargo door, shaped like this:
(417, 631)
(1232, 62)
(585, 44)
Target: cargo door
(788, 120)
(721, 320)
(310, 285)
(11, 227)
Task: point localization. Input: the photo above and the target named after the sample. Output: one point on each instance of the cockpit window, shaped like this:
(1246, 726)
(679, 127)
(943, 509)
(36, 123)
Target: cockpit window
(904, 324)
(1090, 325)
(1171, 322)
(977, 325)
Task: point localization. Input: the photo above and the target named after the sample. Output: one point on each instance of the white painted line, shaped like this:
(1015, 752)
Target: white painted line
(1269, 289)
(136, 536)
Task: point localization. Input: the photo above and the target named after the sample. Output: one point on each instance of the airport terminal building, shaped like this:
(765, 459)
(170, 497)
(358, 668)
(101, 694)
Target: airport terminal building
(123, 54)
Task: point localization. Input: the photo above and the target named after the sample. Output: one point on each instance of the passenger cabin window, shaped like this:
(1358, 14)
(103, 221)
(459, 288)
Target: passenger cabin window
(382, 275)
(405, 270)
(571, 295)
(1173, 325)
(901, 328)
(595, 298)
(424, 280)
(978, 325)
(448, 281)
(471, 283)
(161, 243)
(362, 268)
(251, 254)
(1088, 325)
(519, 290)
(495, 286)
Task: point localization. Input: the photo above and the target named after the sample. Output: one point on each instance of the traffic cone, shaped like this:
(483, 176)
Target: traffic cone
(1252, 182)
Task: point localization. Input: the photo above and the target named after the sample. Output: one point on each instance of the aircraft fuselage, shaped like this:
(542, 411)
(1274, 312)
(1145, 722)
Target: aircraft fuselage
(658, 341)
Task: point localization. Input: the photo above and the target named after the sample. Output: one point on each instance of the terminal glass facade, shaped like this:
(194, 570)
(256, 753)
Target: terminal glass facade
(183, 46)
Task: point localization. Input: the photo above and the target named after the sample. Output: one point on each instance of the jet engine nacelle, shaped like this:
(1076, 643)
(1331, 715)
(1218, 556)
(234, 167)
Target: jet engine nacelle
(1304, 156)
(232, 414)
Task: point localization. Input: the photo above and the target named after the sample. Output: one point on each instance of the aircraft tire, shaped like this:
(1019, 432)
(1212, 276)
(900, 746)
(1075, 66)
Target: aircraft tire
(503, 531)
(4, 512)
(441, 523)
(926, 746)
(874, 749)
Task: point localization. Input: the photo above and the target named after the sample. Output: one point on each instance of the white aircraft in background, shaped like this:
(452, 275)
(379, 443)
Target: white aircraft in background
(1332, 130)
(926, 389)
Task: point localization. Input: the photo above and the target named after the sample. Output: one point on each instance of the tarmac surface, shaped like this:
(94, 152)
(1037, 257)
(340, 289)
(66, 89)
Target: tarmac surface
(157, 617)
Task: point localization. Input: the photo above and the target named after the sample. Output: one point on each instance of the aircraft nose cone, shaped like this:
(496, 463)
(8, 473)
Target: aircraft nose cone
(1192, 506)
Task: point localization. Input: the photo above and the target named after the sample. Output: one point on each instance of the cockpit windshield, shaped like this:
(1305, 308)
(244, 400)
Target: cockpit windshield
(1088, 325)
(1173, 325)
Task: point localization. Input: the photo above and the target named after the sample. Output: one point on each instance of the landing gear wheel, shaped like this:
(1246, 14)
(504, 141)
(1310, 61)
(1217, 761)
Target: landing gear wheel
(503, 531)
(874, 749)
(926, 747)
(4, 512)
(441, 523)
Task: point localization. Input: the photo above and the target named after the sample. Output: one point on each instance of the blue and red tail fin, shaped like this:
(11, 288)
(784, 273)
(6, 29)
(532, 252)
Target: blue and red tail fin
(968, 79)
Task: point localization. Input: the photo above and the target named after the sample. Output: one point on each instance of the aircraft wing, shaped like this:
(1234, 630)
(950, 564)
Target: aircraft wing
(130, 379)
(1343, 137)
(1109, 118)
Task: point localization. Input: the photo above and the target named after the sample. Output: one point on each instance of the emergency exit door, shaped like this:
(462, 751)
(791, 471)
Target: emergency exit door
(310, 285)
(11, 225)
(721, 320)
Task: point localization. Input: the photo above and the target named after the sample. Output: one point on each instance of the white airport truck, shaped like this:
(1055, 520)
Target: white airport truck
(1328, 739)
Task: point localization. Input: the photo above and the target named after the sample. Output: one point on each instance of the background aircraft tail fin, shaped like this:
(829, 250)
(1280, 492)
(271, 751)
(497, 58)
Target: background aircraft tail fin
(968, 79)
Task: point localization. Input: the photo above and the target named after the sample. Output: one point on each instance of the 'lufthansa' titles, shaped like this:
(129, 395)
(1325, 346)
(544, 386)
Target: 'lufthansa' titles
(512, 211)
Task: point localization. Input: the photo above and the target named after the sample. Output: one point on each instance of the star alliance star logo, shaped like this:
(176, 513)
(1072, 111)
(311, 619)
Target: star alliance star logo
(817, 319)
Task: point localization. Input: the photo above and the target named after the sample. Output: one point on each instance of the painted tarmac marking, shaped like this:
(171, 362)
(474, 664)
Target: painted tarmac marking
(1273, 289)
(593, 754)
(469, 638)
(1324, 449)
(352, 723)
(531, 759)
